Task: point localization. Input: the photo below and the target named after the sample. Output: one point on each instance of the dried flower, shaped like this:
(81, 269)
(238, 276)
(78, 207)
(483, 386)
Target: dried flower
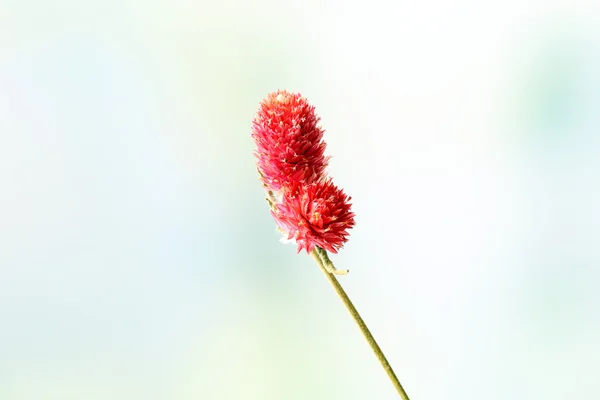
(315, 214)
(290, 146)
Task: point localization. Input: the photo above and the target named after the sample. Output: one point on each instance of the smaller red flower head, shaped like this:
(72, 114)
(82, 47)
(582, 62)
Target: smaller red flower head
(289, 144)
(315, 214)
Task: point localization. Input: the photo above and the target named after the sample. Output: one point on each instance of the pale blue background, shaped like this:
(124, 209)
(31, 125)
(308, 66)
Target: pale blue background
(138, 259)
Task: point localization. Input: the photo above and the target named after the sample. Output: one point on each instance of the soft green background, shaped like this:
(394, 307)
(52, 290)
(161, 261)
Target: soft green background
(138, 259)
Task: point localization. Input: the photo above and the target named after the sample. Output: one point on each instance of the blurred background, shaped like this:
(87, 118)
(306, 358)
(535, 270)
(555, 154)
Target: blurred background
(138, 259)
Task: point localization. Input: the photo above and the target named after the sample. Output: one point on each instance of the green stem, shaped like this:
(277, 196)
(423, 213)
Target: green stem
(361, 325)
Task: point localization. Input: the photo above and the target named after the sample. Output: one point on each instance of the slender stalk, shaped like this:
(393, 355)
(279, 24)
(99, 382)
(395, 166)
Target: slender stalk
(361, 325)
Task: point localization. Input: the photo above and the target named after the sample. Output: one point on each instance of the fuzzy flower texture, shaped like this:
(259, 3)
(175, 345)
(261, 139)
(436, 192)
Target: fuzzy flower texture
(307, 207)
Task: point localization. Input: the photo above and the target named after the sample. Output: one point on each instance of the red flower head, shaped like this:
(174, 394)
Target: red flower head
(315, 214)
(290, 146)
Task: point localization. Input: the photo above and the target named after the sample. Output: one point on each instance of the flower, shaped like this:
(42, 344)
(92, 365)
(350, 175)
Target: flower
(307, 207)
(315, 214)
(290, 146)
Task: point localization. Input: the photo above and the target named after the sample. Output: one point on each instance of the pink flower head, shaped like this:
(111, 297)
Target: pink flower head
(315, 214)
(290, 146)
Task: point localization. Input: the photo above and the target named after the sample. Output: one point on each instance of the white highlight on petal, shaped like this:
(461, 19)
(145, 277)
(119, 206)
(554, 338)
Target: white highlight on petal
(284, 239)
